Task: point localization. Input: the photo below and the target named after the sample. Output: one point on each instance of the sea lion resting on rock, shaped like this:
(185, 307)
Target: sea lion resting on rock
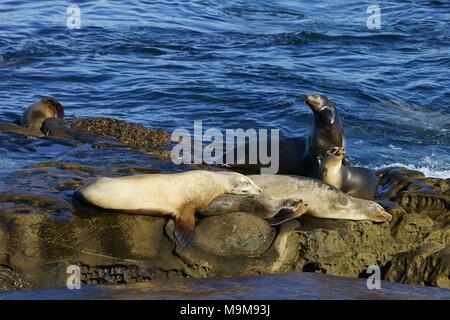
(355, 181)
(320, 200)
(178, 195)
(34, 116)
(263, 206)
(301, 155)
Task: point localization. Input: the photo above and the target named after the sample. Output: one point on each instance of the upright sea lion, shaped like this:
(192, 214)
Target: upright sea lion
(177, 195)
(300, 155)
(34, 116)
(355, 181)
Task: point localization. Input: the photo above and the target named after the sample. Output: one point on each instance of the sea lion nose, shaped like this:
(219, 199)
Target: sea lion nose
(312, 101)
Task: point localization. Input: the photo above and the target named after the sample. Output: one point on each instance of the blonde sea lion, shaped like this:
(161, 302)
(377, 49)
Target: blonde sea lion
(355, 181)
(321, 200)
(177, 195)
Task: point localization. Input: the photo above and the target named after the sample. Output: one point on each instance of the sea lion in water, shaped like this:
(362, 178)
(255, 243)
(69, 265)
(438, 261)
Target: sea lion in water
(34, 116)
(301, 155)
(355, 181)
(320, 199)
(177, 195)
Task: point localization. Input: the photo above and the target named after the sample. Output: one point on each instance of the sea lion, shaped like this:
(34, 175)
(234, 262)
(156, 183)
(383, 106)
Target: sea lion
(177, 195)
(301, 155)
(34, 116)
(46, 108)
(263, 206)
(319, 200)
(355, 181)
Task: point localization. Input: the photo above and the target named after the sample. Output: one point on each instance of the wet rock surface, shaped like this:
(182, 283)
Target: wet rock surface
(11, 280)
(414, 192)
(41, 233)
(131, 134)
(292, 286)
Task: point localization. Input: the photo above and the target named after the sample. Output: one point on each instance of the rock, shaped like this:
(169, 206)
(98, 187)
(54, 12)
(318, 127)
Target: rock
(413, 228)
(394, 179)
(343, 248)
(414, 192)
(10, 280)
(426, 265)
(42, 243)
(273, 252)
(93, 129)
(394, 209)
(128, 133)
(235, 234)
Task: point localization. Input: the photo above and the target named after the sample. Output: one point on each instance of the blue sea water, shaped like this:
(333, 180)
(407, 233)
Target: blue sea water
(241, 64)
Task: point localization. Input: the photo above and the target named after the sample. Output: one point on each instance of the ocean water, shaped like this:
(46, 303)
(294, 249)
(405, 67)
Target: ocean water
(291, 286)
(237, 64)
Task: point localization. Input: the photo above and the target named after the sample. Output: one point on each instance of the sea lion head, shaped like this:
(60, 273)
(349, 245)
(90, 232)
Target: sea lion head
(323, 108)
(377, 213)
(54, 105)
(240, 184)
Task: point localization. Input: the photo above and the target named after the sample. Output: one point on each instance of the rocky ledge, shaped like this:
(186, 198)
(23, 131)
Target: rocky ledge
(41, 233)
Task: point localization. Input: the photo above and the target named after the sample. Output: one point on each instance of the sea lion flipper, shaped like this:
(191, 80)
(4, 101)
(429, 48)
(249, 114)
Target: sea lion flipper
(184, 230)
(55, 127)
(286, 214)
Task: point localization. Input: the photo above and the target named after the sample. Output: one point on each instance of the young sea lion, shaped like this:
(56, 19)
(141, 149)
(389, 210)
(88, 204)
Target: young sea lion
(278, 201)
(301, 155)
(264, 207)
(177, 195)
(355, 181)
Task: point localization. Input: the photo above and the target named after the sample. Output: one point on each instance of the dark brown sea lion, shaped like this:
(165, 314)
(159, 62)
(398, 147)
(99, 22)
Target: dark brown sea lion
(301, 155)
